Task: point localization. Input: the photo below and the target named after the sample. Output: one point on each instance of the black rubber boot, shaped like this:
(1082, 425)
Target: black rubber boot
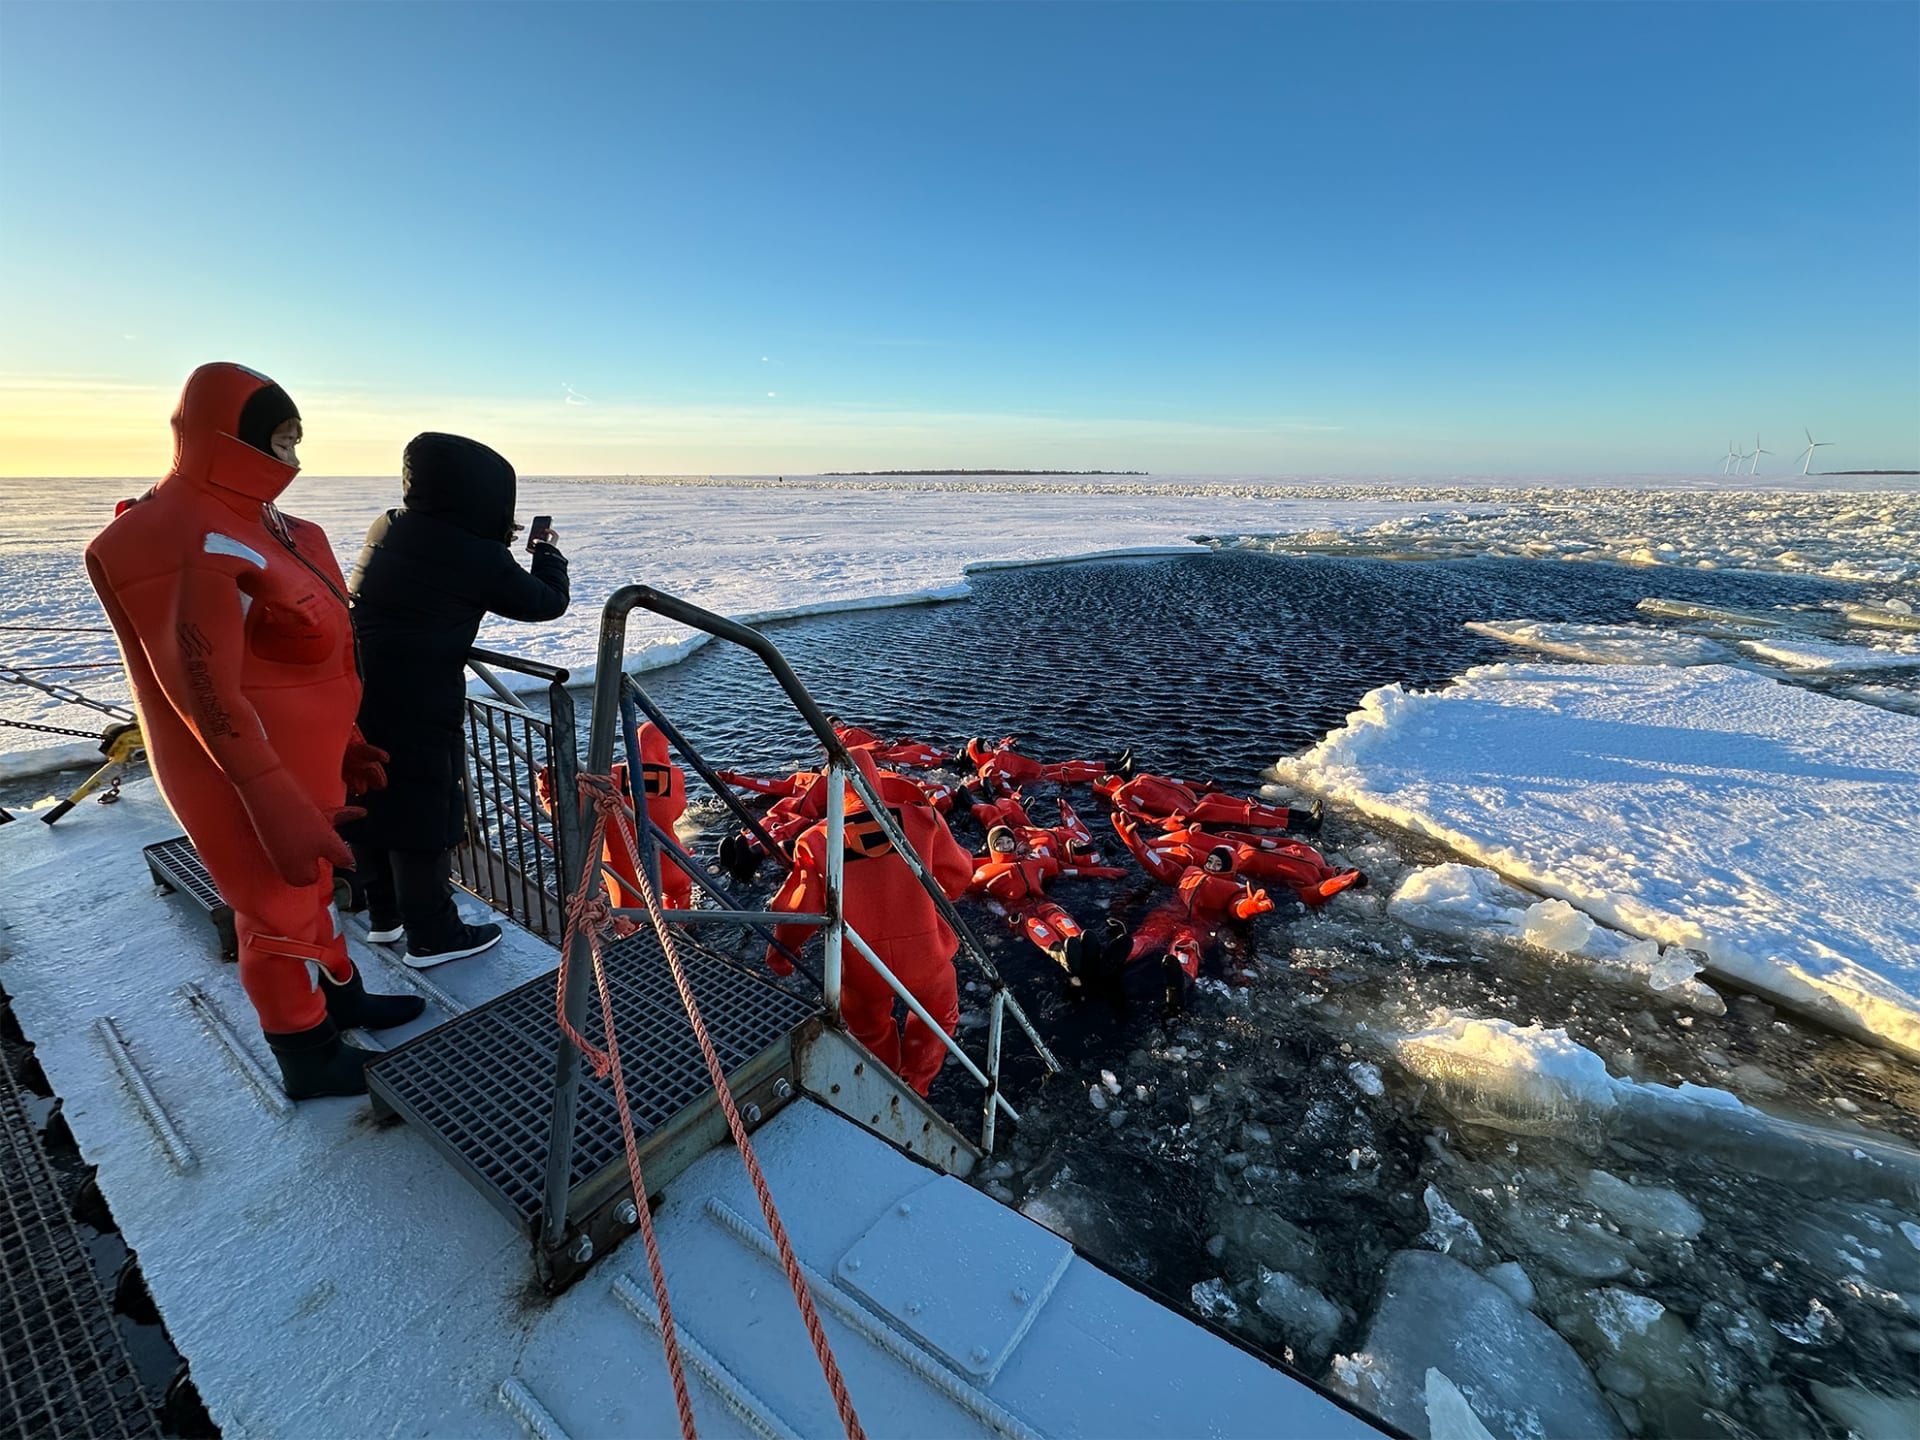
(1305, 822)
(1070, 954)
(349, 1004)
(740, 857)
(318, 1062)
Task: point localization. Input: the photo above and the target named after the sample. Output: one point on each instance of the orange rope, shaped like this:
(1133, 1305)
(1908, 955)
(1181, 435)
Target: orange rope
(588, 905)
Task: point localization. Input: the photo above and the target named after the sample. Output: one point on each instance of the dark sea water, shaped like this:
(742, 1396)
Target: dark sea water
(1214, 664)
(1245, 1136)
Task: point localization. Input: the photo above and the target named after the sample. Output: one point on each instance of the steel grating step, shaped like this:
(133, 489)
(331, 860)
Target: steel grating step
(64, 1370)
(177, 865)
(480, 1087)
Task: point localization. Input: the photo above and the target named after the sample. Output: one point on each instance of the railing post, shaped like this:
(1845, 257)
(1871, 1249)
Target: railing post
(836, 877)
(571, 838)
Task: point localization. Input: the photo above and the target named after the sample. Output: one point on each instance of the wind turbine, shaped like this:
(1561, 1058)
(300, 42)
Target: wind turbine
(1806, 461)
(1740, 457)
(1757, 453)
(1733, 458)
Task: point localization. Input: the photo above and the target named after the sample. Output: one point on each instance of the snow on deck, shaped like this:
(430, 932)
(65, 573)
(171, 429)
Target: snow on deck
(1766, 826)
(325, 1275)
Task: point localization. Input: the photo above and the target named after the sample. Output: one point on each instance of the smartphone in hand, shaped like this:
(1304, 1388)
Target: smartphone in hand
(542, 530)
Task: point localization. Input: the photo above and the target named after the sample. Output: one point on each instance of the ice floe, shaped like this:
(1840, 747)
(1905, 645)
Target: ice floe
(1605, 644)
(1517, 1377)
(1534, 1080)
(1767, 827)
(1470, 902)
(1802, 653)
(1872, 536)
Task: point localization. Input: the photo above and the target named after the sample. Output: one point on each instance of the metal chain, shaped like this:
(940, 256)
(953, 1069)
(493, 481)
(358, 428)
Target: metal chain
(50, 729)
(66, 693)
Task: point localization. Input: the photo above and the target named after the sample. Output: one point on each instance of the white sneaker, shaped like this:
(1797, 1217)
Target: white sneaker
(387, 937)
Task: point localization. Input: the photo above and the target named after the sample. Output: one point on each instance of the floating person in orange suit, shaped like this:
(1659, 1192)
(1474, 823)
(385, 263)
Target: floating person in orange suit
(1018, 880)
(890, 752)
(1156, 797)
(1178, 934)
(887, 907)
(1168, 854)
(1001, 769)
(232, 620)
(1070, 839)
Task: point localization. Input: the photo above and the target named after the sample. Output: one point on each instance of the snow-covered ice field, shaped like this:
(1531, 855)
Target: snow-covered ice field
(759, 547)
(1768, 827)
(750, 549)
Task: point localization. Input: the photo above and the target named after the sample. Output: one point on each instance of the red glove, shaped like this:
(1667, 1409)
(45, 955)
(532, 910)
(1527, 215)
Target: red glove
(296, 834)
(1254, 902)
(777, 962)
(364, 767)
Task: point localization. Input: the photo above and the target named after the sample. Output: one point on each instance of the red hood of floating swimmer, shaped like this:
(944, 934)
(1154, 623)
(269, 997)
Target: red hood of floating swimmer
(653, 745)
(207, 452)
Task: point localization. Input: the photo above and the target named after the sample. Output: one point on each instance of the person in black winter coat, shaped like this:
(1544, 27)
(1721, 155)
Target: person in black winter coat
(430, 572)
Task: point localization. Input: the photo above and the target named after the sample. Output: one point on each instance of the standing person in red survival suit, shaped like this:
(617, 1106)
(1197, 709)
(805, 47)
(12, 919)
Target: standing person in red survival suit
(889, 909)
(428, 575)
(232, 620)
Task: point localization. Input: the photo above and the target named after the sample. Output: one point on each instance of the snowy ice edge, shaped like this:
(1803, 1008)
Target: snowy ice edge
(45, 759)
(1853, 993)
(659, 656)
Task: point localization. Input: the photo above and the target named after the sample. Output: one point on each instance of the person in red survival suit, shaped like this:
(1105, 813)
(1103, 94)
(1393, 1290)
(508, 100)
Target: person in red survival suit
(1070, 839)
(665, 787)
(1001, 769)
(1167, 854)
(803, 800)
(887, 907)
(1018, 879)
(889, 752)
(1179, 933)
(232, 620)
(1154, 797)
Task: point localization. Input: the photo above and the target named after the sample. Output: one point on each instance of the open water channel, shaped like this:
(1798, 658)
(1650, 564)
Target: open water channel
(1253, 1158)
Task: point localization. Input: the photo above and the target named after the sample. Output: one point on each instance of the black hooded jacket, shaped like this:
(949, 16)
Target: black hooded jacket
(430, 572)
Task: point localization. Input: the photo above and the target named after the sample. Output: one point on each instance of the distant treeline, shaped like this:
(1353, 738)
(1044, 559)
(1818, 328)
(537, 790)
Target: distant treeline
(849, 474)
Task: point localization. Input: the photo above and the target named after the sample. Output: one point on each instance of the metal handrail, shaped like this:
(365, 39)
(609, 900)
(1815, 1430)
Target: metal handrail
(611, 688)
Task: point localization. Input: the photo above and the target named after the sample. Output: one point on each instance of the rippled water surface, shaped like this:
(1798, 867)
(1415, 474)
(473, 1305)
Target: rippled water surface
(1261, 1133)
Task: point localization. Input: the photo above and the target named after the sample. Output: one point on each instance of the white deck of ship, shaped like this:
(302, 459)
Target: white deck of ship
(328, 1276)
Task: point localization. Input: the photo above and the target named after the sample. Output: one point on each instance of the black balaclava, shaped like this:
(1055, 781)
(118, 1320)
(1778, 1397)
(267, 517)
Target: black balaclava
(266, 410)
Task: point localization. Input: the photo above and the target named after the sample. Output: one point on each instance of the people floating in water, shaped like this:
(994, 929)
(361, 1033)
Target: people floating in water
(1217, 851)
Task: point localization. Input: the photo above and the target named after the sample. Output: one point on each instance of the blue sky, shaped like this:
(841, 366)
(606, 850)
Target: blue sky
(1354, 238)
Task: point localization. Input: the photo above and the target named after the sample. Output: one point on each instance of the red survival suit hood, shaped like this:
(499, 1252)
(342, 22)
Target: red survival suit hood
(220, 404)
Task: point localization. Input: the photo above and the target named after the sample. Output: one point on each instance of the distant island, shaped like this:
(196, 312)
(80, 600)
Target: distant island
(850, 474)
(1867, 472)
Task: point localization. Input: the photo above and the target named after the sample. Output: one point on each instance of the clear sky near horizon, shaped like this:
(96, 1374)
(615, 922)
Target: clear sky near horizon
(1280, 239)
